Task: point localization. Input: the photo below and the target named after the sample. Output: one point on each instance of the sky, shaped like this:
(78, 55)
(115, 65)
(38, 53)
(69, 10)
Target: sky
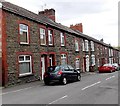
(99, 17)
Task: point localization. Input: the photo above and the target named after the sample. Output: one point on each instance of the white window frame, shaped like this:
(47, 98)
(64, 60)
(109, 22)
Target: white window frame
(62, 39)
(26, 31)
(86, 45)
(42, 35)
(50, 37)
(83, 45)
(92, 46)
(76, 45)
(25, 61)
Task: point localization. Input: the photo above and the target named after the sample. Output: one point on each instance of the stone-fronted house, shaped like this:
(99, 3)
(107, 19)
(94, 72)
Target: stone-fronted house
(32, 42)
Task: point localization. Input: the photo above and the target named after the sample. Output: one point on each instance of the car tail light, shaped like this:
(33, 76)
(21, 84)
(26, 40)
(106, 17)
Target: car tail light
(59, 72)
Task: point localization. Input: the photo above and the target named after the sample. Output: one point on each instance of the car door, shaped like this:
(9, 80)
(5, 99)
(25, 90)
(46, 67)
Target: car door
(73, 72)
(65, 71)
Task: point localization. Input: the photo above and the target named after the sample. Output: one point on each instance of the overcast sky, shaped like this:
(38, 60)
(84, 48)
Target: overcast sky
(99, 17)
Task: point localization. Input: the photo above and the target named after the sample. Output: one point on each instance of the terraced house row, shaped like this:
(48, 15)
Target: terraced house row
(32, 42)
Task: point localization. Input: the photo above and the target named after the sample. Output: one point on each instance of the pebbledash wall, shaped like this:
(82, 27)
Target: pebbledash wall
(32, 42)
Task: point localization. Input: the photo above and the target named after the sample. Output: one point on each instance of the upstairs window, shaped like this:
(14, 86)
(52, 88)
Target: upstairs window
(86, 45)
(62, 39)
(42, 36)
(76, 45)
(83, 45)
(50, 37)
(23, 31)
(92, 45)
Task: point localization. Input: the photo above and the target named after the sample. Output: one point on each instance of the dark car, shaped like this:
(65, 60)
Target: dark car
(62, 73)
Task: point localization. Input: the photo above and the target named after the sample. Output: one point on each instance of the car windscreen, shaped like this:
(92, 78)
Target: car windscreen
(53, 69)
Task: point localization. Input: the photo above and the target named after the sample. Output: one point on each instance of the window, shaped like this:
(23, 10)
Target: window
(76, 45)
(42, 36)
(62, 39)
(83, 45)
(25, 65)
(77, 63)
(50, 37)
(63, 59)
(24, 37)
(86, 45)
(92, 45)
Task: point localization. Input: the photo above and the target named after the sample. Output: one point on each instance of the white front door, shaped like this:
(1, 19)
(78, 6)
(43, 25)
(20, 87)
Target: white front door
(43, 66)
(87, 63)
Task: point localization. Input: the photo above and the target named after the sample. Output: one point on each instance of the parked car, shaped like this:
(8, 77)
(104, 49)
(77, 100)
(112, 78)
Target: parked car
(117, 67)
(106, 68)
(62, 73)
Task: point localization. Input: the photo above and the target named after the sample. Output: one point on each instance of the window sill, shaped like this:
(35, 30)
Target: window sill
(25, 44)
(51, 45)
(43, 45)
(77, 51)
(26, 75)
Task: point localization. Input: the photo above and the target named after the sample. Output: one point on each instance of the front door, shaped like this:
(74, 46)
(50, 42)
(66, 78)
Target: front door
(43, 66)
(87, 63)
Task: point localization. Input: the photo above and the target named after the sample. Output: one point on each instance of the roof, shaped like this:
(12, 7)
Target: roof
(44, 20)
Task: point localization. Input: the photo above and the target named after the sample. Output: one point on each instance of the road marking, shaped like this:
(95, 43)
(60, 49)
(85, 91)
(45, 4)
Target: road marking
(91, 85)
(110, 78)
(59, 99)
(16, 91)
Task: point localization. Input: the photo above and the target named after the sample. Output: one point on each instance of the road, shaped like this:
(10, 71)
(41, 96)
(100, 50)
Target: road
(92, 89)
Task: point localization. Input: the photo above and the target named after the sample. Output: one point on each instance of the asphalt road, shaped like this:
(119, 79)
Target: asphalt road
(92, 89)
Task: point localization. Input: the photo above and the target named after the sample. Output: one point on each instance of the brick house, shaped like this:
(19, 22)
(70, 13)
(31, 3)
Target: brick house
(32, 42)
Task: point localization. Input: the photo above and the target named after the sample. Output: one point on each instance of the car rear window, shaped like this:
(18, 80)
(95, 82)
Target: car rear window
(53, 68)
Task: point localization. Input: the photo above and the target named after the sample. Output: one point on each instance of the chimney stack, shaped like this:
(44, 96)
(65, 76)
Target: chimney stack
(78, 27)
(50, 13)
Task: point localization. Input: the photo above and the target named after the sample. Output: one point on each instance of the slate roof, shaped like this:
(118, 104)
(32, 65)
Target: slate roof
(44, 20)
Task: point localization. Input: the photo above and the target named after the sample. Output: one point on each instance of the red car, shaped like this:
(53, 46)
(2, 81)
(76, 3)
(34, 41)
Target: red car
(106, 68)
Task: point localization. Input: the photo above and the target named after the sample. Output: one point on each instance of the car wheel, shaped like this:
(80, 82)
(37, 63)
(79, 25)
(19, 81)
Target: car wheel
(64, 81)
(79, 77)
(111, 71)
